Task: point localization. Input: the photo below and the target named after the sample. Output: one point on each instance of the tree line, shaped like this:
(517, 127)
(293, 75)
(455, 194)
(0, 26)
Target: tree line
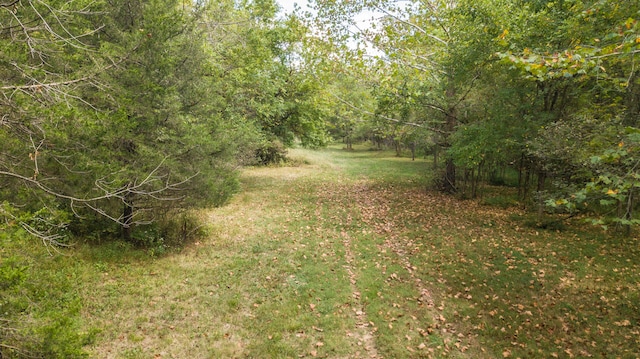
(547, 91)
(124, 114)
(119, 114)
(119, 117)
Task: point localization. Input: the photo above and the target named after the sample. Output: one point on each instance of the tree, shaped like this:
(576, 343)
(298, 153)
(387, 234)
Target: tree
(441, 46)
(258, 59)
(118, 119)
(590, 87)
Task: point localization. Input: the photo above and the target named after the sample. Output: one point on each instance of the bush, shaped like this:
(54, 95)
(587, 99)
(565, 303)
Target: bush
(271, 152)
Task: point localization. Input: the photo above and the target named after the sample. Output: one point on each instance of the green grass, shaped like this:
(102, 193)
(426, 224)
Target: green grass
(346, 255)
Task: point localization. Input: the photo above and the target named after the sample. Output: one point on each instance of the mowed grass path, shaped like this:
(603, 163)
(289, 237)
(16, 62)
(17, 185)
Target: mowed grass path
(348, 256)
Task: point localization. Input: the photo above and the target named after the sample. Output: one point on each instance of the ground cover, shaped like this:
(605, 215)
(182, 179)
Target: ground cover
(348, 256)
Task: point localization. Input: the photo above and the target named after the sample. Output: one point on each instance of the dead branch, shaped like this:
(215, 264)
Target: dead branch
(9, 4)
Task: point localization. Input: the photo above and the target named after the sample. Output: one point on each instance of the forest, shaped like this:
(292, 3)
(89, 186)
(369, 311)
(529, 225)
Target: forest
(134, 131)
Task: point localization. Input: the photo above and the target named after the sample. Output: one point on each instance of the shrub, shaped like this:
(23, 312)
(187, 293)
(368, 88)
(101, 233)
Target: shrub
(39, 308)
(271, 152)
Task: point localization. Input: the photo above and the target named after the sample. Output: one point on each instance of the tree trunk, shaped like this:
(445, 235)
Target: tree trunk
(625, 211)
(476, 181)
(540, 206)
(542, 176)
(520, 177)
(449, 183)
(127, 219)
(629, 214)
(413, 151)
(525, 186)
(468, 173)
(451, 121)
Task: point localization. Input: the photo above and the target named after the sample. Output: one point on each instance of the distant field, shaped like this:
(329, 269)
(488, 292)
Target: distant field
(348, 256)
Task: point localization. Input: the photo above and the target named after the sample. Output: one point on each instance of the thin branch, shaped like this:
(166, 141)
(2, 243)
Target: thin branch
(9, 4)
(386, 117)
(617, 53)
(119, 192)
(464, 97)
(40, 86)
(437, 18)
(47, 238)
(67, 40)
(410, 24)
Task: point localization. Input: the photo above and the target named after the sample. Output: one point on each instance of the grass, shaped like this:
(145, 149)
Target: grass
(347, 256)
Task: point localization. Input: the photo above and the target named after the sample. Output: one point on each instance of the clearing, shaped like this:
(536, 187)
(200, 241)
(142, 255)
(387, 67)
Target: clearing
(348, 256)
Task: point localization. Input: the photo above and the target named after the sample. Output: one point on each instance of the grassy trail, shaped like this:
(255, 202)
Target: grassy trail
(347, 256)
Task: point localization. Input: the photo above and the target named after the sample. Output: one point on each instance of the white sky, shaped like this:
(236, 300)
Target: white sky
(363, 20)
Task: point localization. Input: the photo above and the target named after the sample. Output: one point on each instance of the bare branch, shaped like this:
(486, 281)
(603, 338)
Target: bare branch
(437, 18)
(9, 4)
(110, 193)
(68, 40)
(40, 86)
(49, 239)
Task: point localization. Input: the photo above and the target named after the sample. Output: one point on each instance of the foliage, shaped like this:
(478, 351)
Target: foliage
(593, 72)
(271, 153)
(261, 78)
(613, 182)
(538, 86)
(39, 310)
(151, 110)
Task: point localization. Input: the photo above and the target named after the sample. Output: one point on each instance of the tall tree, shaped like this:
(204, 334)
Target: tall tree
(591, 64)
(257, 56)
(441, 46)
(113, 119)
